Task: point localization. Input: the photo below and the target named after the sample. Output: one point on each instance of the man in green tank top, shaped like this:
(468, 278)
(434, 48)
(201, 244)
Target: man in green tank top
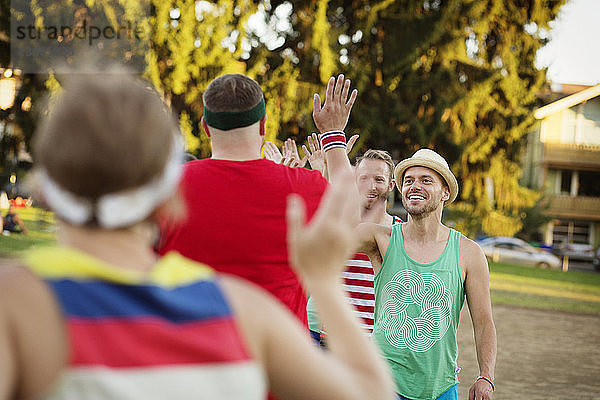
(423, 271)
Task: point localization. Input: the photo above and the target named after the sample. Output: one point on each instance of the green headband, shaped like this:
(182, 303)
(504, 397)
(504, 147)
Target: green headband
(230, 120)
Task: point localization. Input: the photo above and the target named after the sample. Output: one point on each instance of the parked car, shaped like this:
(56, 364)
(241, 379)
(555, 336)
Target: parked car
(576, 251)
(596, 261)
(516, 251)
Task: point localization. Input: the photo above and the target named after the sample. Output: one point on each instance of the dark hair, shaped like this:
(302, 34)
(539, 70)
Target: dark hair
(379, 155)
(232, 93)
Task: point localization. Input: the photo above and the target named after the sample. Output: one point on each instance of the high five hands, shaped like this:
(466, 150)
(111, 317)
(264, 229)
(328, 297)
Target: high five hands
(331, 116)
(316, 157)
(290, 151)
(289, 157)
(313, 153)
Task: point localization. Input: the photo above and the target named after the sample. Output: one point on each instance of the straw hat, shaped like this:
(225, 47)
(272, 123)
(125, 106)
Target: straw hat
(429, 159)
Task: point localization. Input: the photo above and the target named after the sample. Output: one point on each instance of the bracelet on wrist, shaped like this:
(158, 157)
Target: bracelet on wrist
(488, 381)
(332, 140)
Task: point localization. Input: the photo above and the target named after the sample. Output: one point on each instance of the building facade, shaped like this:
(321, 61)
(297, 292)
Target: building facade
(562, 159)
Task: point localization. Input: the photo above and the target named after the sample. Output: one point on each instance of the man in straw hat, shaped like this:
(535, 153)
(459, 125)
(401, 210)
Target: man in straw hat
(423, 271)
(421, 284)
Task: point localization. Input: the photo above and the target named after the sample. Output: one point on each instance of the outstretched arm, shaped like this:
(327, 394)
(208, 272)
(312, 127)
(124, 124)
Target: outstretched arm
(477, 289)
(352, 369)
(373, 240)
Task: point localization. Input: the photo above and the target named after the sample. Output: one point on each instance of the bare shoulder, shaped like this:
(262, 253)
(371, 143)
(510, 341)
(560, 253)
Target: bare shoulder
(371, 234)
(16, 282)
(241, 295)
(38, 345)
(21, 290)
(250, 301)
(384, 229)
(471, 255)
(8, 262)
(469, 247)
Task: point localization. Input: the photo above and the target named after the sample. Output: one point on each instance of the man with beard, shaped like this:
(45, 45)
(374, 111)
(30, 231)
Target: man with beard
(423, 272)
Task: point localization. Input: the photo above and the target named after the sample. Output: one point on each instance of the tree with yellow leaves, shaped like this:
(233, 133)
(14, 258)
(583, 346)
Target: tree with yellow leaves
(457, 76)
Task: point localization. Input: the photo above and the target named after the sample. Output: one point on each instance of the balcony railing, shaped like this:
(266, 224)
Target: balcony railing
(571, 155)
(574, 207)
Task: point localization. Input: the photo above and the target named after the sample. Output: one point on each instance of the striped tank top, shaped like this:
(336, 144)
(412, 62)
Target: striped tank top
(166, 334)
(359, 287)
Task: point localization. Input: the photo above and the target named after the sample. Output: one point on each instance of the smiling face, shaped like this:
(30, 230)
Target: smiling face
(423, 191)
(373, 181)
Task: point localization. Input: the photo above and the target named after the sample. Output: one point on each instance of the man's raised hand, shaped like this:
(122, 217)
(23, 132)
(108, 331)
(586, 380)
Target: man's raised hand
(290, 151)
(272, 152)
(334, 114)
(315, 155)
(288, 158)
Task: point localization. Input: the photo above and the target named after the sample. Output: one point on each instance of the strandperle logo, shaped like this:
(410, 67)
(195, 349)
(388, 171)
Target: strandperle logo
(415, 310)
(59, 36)
(88, 33)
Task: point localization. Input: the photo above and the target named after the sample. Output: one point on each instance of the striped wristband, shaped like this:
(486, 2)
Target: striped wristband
(332, 140)
(488, 380)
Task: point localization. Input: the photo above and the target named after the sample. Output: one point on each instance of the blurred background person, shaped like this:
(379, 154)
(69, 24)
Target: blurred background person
(12, 222)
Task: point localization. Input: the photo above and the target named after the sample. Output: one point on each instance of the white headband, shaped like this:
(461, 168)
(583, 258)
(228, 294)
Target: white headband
(118, 209)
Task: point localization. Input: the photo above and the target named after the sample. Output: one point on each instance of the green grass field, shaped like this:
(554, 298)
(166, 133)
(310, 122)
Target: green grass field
(571, 291)
(40, 227)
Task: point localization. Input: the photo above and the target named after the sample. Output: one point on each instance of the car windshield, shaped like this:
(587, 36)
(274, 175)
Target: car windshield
(516, 246)
(528, 248)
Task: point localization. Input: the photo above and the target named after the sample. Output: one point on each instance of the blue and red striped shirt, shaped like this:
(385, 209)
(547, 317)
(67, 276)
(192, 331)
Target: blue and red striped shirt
(169, 333)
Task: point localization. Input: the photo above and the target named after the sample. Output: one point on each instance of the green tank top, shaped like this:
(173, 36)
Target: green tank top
(314, 324)
(417, 308)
